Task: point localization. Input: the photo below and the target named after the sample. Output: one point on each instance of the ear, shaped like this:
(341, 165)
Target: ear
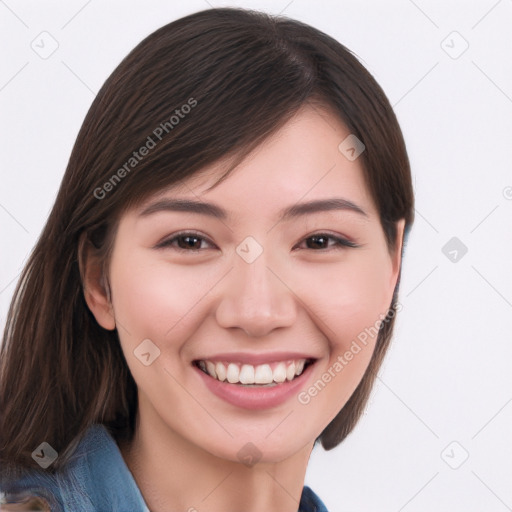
(396, 256)
(96, 288)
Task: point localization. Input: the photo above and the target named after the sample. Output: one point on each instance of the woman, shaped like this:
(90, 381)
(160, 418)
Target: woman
(216, 285)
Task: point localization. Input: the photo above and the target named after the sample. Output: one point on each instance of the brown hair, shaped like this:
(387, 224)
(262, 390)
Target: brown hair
(241, 75)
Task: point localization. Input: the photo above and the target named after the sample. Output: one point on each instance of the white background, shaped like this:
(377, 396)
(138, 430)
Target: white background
(448, 374)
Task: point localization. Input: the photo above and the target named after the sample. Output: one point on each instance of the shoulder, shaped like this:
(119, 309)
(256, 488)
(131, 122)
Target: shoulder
(310, 502)
(94, 478)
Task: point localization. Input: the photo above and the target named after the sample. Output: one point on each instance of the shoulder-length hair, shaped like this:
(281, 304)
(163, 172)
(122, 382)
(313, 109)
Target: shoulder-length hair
(212, 85)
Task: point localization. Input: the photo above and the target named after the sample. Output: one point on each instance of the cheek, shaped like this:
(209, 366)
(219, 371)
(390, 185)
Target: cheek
(157, 300)
(347, 298)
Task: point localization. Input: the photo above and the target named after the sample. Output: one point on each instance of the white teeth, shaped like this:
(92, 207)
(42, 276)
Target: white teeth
(290, 371)
(210, 368)
(247, 374)
(263, 374)
(233, 373)
(280, 373)
(220, 370)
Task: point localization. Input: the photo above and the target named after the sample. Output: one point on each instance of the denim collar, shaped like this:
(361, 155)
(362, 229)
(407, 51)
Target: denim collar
(96, 478)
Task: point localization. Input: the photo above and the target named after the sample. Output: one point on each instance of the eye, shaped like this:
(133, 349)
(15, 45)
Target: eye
(323, 241)
(194, 242)
(185, 241)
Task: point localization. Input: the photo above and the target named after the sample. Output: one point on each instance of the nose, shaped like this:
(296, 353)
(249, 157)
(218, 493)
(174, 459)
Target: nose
(255, 299)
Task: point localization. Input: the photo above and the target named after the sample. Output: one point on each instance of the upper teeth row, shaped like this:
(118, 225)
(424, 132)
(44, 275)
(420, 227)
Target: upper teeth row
(249, 374)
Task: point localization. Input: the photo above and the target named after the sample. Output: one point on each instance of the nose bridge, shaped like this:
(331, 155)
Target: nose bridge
(254, 299)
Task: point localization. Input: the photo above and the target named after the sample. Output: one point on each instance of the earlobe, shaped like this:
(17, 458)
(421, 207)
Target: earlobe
(96, 291)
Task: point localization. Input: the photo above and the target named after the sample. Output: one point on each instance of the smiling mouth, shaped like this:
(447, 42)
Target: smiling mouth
(248, 375)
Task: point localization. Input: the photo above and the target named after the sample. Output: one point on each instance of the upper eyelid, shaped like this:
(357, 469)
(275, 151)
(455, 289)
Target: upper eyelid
(166, 240)
(341, 239)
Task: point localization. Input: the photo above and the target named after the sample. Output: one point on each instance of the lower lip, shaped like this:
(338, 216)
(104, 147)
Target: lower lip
(263, 397)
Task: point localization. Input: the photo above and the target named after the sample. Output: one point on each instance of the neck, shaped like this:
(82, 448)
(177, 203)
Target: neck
(174, 474)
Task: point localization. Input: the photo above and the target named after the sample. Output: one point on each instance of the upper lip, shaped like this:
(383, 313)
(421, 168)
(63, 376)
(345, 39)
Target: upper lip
(255, 359)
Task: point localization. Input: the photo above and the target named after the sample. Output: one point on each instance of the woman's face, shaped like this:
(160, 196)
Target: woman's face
(242, 317)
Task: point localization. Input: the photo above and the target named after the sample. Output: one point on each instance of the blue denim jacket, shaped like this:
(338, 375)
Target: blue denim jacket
(96, 479)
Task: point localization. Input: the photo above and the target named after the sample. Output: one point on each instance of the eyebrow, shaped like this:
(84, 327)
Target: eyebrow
(212, 210)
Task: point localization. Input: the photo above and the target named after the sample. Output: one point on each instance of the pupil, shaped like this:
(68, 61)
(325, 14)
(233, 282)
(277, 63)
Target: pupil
(190, 242)
(317, 241)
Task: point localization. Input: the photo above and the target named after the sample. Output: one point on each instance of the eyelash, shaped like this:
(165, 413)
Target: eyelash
(340, 243)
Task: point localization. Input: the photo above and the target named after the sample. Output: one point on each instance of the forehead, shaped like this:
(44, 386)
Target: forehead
(300, 162)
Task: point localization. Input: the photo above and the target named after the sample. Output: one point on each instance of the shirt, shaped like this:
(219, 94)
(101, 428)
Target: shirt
(97, 479)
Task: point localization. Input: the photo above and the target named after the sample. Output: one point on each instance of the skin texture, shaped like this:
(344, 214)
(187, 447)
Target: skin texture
(294, 297)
